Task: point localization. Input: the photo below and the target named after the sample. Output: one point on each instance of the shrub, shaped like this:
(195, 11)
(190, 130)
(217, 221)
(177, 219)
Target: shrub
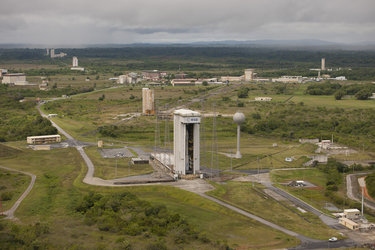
(6, 196)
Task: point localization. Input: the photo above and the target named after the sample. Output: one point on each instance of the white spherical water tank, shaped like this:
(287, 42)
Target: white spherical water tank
(239, 118)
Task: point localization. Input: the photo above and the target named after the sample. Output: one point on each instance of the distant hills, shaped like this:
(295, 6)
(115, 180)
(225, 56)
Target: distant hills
(285, 44)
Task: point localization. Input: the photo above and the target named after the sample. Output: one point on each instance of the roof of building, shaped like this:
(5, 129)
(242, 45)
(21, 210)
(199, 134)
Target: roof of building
(15, 74)
(186, 112)
(351, 210)
(43, 136)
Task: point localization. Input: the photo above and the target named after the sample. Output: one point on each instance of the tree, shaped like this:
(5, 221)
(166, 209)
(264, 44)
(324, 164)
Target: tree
(363, 94)
(339, 94)
(205, 83)
(243, 93)
(102, 98)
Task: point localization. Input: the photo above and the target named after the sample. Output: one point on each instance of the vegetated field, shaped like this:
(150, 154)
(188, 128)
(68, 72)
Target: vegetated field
(12, 185)
(106, 167)
(251, 199)
(50, 210)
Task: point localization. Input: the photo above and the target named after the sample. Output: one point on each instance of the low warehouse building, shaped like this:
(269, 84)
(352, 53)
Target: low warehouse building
(349, 223)
(43, 139)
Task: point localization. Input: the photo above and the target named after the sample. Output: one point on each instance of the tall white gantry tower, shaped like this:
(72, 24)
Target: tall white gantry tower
(186, 146)
(75, 61)
(238, 118)
(323, 65)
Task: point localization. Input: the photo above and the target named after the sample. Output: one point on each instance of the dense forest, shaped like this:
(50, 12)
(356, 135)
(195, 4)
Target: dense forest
(19, 120)
(201, 58)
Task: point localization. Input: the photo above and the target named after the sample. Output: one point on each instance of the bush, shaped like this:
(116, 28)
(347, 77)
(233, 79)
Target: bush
(339, 94)
(243, 93)
(6, 196)
(363, 94)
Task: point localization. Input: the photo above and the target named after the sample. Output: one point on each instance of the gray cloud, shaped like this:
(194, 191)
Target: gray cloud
(128, 21)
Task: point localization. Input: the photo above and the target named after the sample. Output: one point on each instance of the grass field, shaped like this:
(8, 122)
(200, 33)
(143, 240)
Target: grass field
(58, 189)
(12, 185)
(106, 168)
(245, 196)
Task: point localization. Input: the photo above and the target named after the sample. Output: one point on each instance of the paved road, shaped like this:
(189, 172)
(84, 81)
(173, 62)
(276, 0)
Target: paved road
(10, 213)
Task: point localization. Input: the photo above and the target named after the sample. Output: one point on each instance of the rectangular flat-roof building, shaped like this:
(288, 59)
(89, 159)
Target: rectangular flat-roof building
(41, 139)
(15, 78)
(349, 223)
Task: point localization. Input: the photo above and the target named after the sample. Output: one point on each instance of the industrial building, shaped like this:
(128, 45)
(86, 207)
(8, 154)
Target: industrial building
(288, 79)
(148, 107)
(15, 79)
(232, 78)
(186, 142)
(263, 99)
(183, 82)
(131, 78)
(75, 64)
(323, 64)
(152, 75)
(43, 139)
(53, 55)
(348, 223)
(249, 74)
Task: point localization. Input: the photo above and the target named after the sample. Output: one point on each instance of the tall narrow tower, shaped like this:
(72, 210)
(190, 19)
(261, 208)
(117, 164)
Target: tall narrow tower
(249, 74)
(186, 137)
(323, 64)
(52, 53)
(148, 107)
(238, 118)
(75, 61)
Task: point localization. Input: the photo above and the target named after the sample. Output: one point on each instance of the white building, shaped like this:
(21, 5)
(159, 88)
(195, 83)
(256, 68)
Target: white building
(263, 99)
(249, 74)
(186, 142)
(75, 61)
(53, 55)
(15, 79)
(288, 79)
(323, 66)
(148, 101)
(131, 78)
(75, 65)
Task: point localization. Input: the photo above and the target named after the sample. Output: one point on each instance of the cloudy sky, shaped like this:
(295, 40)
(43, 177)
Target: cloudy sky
(148, 21)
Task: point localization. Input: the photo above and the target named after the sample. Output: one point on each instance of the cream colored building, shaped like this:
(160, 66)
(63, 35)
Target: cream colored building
(183, 82)
(43, 139)
(349, 223)
(148, 101)
(288, 79)
(15, 78)
(249, 74)
(323, 66)
(232, 78)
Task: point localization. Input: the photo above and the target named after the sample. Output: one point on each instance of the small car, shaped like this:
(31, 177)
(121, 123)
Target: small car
(333, 239)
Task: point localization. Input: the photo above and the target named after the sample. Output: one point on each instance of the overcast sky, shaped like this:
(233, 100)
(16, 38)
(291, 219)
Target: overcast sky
(132, 21)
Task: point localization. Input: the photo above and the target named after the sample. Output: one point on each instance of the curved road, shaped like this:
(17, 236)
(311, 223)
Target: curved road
(10, 213)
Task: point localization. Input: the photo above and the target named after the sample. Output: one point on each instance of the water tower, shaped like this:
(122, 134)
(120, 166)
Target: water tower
(238, 118)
